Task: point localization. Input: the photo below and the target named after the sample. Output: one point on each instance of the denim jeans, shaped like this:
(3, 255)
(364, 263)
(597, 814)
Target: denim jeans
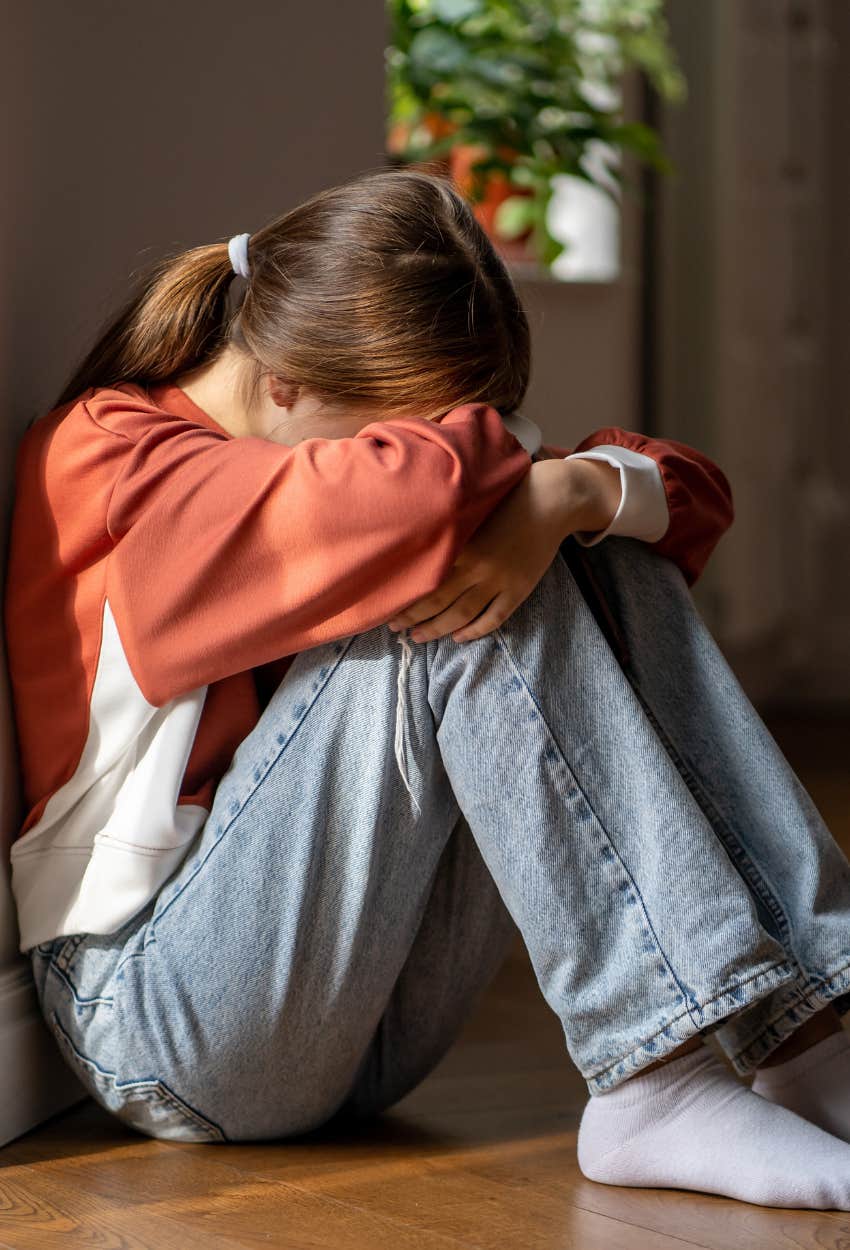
(590, 773)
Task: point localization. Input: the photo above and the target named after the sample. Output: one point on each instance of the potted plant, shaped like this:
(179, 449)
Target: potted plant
(507, 94)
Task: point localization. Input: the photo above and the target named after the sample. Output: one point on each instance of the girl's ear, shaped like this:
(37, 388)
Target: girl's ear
(282, 392)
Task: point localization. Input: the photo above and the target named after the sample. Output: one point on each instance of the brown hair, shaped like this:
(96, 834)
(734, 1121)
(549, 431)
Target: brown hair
(384, 291)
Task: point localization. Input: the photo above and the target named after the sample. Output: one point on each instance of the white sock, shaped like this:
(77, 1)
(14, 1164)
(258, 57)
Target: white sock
(815, 1084)
(691, 1124)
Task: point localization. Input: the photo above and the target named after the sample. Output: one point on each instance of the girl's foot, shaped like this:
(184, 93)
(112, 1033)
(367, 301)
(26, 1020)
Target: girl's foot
(690, 1124)
(814, 1085)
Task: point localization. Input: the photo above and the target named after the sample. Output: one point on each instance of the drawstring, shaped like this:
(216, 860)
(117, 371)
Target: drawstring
(401, 709)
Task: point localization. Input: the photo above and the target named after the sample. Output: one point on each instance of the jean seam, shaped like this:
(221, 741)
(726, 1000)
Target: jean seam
(793, 997)
(744, 1059)
(123, 963)
(752, 873)
(780, 966)
(62, 974)
(260, 773)
(179, 1105)
(688, 996)
(66, 952)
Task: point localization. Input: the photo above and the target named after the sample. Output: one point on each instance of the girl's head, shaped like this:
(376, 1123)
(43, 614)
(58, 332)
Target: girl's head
(382, 292)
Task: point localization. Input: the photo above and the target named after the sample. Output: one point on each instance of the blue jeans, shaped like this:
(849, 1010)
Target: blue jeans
(590, 772)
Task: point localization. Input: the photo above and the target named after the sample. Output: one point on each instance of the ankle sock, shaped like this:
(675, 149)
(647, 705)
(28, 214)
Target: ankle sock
(691, 1124)
(814, 1085)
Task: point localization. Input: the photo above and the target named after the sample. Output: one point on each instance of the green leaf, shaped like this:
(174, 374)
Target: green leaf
(514, 216)
(437, 51)
(454, 11)
(540, 78)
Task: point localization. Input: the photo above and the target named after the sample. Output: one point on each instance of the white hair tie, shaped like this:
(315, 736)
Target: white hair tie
(237, 250)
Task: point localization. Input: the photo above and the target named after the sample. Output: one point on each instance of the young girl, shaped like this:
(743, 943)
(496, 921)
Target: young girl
(326, 675)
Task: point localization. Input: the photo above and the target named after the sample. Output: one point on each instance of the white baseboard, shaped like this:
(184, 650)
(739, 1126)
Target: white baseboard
(35, 1081)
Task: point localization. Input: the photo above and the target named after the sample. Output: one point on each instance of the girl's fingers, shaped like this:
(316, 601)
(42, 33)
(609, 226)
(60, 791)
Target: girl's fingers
(459, 614)
(497, 612)
(426, 607)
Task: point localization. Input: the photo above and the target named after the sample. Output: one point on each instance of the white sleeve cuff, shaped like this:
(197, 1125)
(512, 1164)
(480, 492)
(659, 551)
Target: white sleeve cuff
(643, 511)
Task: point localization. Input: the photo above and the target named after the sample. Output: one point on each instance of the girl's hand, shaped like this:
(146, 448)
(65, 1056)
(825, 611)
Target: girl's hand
(510, 551)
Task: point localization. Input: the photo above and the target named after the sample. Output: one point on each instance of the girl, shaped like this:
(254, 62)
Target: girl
(271, 856)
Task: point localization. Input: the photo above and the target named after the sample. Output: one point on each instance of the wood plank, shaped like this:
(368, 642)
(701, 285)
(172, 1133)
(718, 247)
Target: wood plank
(707, 1219)
(40, 1210)
(163, 1196)
(536, 1184)
(451, 1199)
(176, 1196)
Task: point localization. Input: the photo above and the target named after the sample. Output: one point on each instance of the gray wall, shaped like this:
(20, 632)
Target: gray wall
(129, 130)
(132, 130)
(136, 129)
(754, 330)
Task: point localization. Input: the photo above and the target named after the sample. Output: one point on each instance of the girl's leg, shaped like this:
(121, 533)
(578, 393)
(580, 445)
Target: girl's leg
(641, 930)
(583, 820)
(799, 877)
(463, 940)
(320, 947)
(767, 821)
(249, 995)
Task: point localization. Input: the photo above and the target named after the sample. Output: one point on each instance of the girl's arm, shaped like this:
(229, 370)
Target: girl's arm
(570, 493)
(229, 553)
(673, 497)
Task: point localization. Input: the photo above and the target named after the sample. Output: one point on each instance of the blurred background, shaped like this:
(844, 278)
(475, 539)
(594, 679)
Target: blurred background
(706, 298)
(666, 181)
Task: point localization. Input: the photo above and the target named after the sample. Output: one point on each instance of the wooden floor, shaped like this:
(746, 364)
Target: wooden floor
(481, 1154)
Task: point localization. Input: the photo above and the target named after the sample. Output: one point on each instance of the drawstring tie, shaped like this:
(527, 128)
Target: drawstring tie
(401, 710)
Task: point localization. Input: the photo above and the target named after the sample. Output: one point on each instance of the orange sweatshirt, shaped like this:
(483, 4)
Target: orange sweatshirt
(163, 574)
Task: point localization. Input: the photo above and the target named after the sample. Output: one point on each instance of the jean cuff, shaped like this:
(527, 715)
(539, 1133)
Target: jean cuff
(731, 1000)
(752, 1035)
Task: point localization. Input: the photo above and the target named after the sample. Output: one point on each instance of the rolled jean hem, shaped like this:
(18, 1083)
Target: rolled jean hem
(683, 1027)
(799, 1003)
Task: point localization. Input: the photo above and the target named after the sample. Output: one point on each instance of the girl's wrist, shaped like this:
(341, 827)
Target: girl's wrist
(589, 494)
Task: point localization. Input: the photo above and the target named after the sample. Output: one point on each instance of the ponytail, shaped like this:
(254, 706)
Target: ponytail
(176, 321)
(384, 291)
